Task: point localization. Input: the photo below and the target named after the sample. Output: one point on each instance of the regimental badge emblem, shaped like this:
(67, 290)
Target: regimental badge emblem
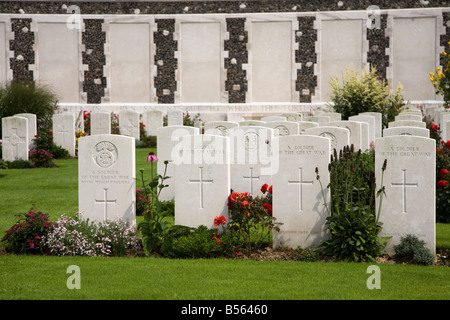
(105, 154)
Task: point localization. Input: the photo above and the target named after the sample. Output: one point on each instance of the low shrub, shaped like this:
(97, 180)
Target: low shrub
(352, 221)
(199, 242)
(78, 236)
(41, 158)
(365, 91)
(28, 97)
(412, 249)
(307, 255)
(251, 218)
(19, 164)
(26, 236)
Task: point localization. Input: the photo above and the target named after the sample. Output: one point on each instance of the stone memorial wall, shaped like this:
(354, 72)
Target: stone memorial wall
(251, 57)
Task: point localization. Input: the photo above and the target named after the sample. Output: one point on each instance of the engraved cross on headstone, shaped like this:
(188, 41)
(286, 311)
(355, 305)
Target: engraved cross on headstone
(62, 129)
(105, 201)
(251, 178)
(130, 128)
(300, 183)
(404, 184)
(201, 181)
(14, 139)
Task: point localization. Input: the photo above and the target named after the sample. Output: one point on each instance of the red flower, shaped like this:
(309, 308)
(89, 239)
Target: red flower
(443, 172)
(434, 127)
(447, 144)
(264, 188)
(270, 189)
(236, 196)
(220, 220)
(268, 207)
(442, 184)
(244, 203)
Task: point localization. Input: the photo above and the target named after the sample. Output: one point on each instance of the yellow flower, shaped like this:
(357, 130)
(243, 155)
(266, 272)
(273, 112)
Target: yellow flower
(431, 74)
(444, 53)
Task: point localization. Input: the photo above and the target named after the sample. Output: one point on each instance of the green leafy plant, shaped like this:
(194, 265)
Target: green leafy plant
(157, 225)
(363, 92)
(28, 97)
(199, 242)
(26, 236)
(441, 79)
(251, 218)
(352, 221)
(307, 255)
(412, 249)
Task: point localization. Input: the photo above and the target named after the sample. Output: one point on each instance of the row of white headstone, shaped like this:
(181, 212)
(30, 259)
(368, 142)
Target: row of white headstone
(205, 167)
(243, 156)
(368, 128)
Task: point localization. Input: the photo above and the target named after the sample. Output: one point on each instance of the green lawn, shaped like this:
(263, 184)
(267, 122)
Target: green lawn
(28, 277)
(54, 191)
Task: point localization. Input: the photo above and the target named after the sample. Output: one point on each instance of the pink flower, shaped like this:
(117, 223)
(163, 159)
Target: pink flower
(151, 157)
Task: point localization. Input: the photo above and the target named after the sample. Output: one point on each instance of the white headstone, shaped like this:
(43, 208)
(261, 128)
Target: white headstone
(303, 125)
(408, 116)
(441, 115)
(370, 120)
(293, 116)
(283, 128)
(273, 118)
(100, 122)
(32, 126)
(444, 118)
(64, 131)
(321, 119)
(174, 118)
(202, 182)
(129, 123)
(339, 137)
(106, 177)
(334, 116)
(14, 138)
(220, 128)
(359, 136)
(406, 131)
(447, 129)
(297, 195)
(252, 161)
(169, 141)
(378, 122)
(234, 117)
(406, 123)
(409, 182)
(247, 123)
(153, 120)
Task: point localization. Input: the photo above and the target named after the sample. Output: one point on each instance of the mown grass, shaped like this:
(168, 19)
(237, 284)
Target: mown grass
(55, 191)
(44, 277)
